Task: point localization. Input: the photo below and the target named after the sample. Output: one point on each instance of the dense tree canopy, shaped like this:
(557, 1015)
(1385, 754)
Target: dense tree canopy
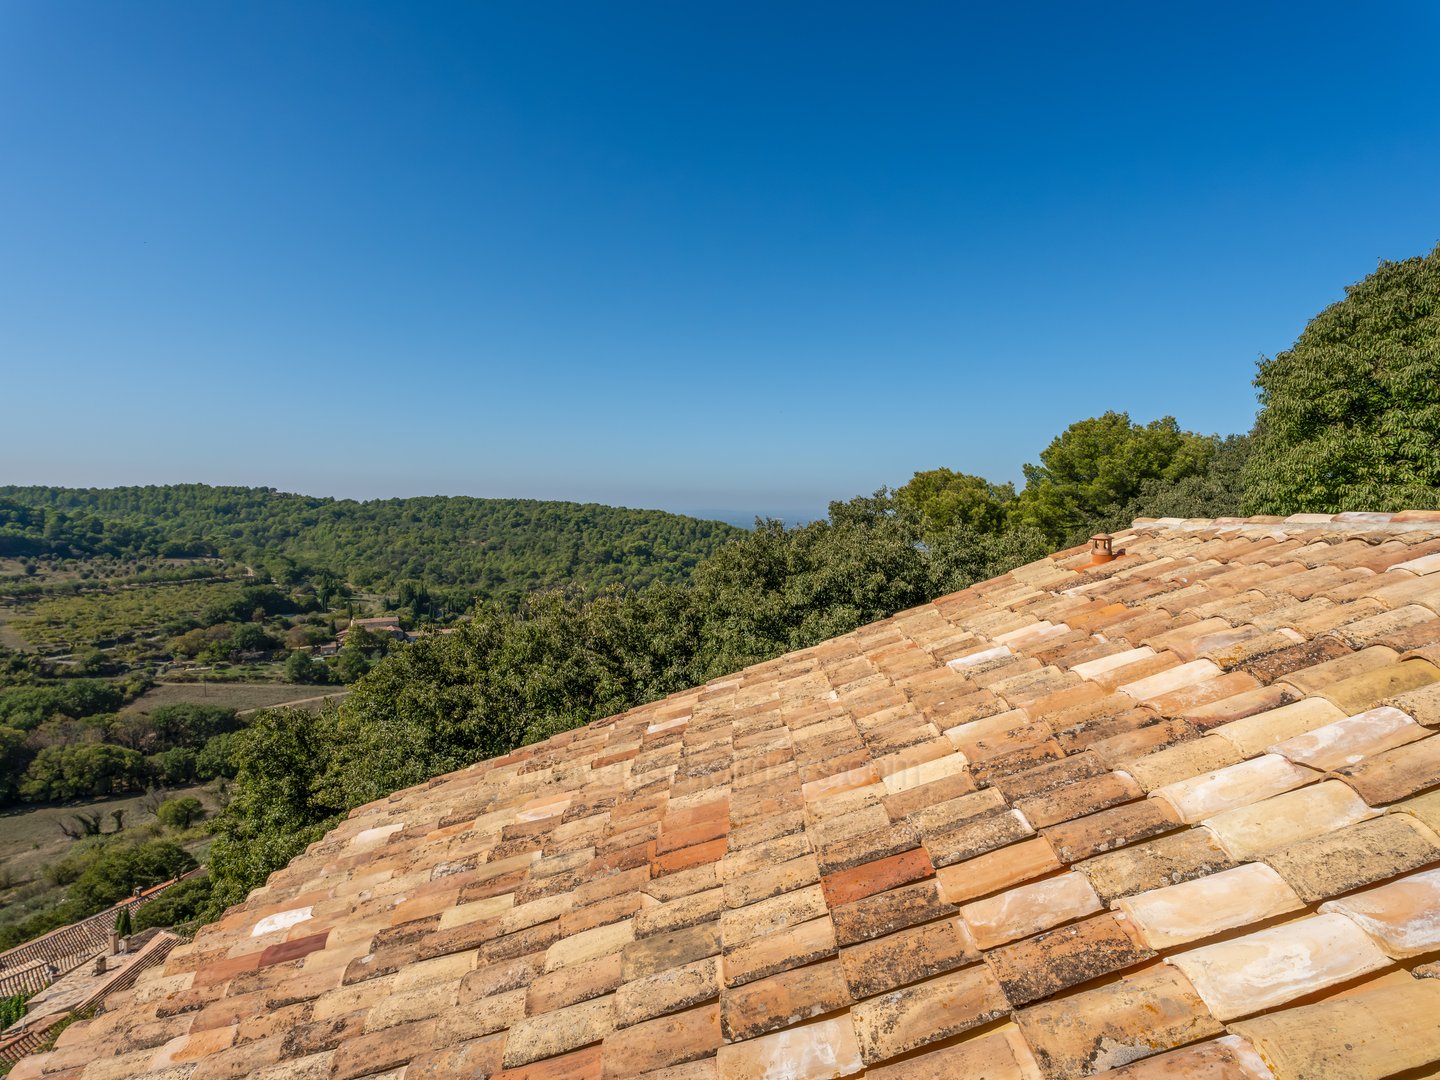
(97, 872)
(944, 498)
(1098, 466)
(28, 707)
(276, 809)
(1350, 416)
(491, 548)
(121, 868)
(83, 770)
(178, 904)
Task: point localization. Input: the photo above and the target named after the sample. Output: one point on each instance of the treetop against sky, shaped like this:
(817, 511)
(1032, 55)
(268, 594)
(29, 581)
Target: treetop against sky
(688, 256)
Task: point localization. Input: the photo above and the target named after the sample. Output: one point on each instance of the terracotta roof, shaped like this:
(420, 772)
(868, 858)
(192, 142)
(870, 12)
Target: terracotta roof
(1174, 815)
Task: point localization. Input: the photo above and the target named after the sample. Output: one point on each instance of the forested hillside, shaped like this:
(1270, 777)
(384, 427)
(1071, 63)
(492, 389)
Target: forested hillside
(497, 549)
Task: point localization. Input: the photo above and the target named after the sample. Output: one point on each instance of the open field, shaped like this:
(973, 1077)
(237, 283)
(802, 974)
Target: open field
(121, 613)
(30, 839)
(238, 696)
(9, 637)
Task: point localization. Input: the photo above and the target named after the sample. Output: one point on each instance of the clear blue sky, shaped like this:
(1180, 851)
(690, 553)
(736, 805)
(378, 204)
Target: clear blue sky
(700, 256)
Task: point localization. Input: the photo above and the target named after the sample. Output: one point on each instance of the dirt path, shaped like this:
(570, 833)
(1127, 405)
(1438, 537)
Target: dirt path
(312, 703)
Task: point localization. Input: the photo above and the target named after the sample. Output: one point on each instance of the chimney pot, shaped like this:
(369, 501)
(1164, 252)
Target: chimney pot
(1102, 549)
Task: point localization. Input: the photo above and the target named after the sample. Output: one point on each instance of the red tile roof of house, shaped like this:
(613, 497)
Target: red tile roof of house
(1174, 815)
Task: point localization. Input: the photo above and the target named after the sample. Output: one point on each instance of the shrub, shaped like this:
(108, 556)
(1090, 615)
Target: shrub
(12, 1008)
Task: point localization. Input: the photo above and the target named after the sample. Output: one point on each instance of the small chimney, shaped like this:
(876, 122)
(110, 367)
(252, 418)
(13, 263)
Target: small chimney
(1102, 549)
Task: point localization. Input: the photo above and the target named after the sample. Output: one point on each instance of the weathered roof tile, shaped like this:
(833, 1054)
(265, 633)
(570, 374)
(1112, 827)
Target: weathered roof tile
(1396, 774)
(906, 956)
(1167, 860)
(1227, 1058)
(1175, 915)
(1001, 1054)
(1385, 1031)
(1351, 740)
(783, 1000)
(1356, 855)
(1270, 967)
(1038, 967)
(1403, 917)
(1251, 735)
(1028, 909)
(903, 1020)
(1177, 764)
(1233, 786)
(1251, 832)
(1107, 830)
(821, 1050)
(1141, 1014)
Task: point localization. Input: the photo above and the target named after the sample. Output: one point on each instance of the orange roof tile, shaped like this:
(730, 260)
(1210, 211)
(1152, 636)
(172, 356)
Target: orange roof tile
(1174, 815)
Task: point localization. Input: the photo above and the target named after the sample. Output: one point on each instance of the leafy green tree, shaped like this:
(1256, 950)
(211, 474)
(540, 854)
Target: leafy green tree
(217, 757)
(174, 766)
(251, 603)
(27, 707)
(121, 868)
(12, 1008)
(167, 726)
(192, 725)
(180, 813)
(945, 498)
(351, 663)
(243, 638)
(1350, 416)
(1217, 492)
(361, 649)
(301, 667)
(1096, 467)
(277, 808)
(326, 587)
(15, 758)
(124, 927)
(961, 556)
(777, 589)
(200, 641)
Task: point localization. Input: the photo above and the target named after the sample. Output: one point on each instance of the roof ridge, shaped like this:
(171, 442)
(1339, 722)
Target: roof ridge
(1356, 521)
